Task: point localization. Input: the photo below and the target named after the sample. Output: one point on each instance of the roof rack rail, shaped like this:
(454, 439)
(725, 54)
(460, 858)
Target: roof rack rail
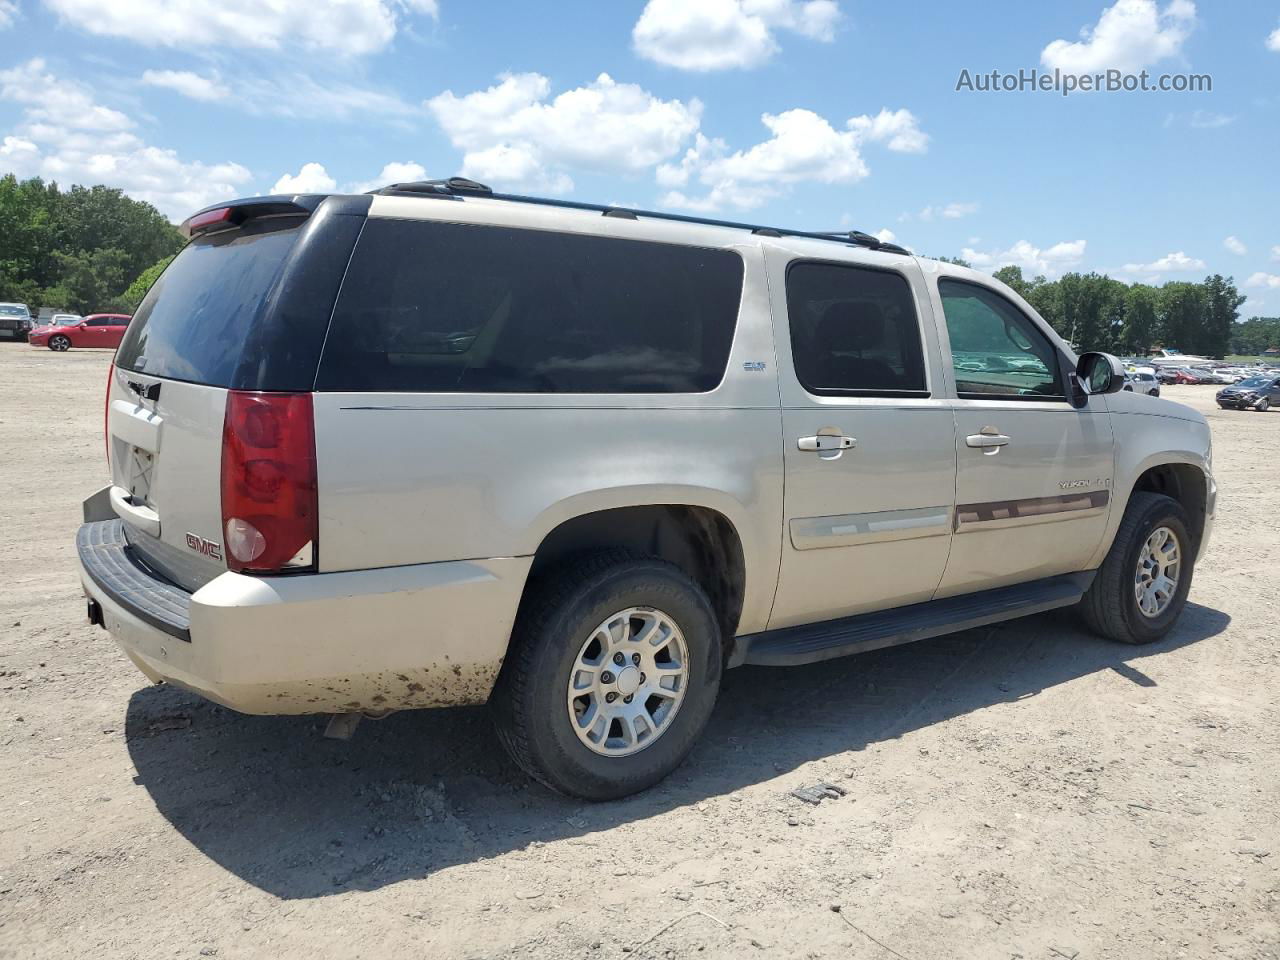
(455, 187)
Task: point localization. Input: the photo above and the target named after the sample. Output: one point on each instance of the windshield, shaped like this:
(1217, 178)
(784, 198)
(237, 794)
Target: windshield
(1255, 382)
(65, 321)
(12, 310)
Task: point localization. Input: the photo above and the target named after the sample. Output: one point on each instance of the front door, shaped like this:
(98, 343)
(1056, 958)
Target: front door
(870, 453)
(1033, 480)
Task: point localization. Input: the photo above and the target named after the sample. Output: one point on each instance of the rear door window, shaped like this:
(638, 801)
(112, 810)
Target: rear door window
(854, 331)
(442, 307)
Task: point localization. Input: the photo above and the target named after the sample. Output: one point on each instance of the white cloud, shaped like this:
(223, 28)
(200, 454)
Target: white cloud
(56, 103)
(1208, 120)
(899, 130)
(1177, 262)
(1235, 246)
(342, 27)
(1130, 35)
(9, 13)
(68, 137)
(302, 97)
(1268, 280)
(1049, 261)
(512, 134)
(886, 236)
(726, 34)
(1273, 41)
(394, 172)
(312, 178)
(188, 84)
(949, 211)
(804, 147)
(1275, 252)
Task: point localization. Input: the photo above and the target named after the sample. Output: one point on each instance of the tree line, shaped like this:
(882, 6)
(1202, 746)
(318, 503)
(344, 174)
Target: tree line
(83, 250)
(1097, 312)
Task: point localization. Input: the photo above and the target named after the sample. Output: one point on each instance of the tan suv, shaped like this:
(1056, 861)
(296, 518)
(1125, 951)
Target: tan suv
(438, 446)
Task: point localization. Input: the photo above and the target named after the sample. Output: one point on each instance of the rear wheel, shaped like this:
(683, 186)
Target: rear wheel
(1141, 587)
(613, 671)
(59, 342)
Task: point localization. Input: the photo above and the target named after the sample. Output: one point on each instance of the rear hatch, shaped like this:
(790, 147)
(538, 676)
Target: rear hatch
(243, 307)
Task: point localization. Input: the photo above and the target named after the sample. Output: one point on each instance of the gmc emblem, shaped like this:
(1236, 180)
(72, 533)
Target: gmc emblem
(206, 547)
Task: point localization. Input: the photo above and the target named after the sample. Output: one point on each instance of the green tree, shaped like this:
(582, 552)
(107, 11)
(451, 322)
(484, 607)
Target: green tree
(75, 249)
(133, 295)
(1141, 319)
(1181, 314)
(93, 279)
(1222, 303)
(1255, 335)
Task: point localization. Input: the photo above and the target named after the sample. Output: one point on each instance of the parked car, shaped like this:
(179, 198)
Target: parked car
(95, 330)
(592, 458)
(1142, 382)
(1184, 376)
(15, 321)
(1257, 392)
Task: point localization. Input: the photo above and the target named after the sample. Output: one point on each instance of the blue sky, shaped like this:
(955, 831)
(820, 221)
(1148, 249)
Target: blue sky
(817, 114)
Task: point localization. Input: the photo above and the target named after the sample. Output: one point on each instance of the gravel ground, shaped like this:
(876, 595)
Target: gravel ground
(1019, 791)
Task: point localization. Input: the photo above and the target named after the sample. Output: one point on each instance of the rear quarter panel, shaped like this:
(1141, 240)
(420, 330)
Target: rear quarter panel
(411, 478)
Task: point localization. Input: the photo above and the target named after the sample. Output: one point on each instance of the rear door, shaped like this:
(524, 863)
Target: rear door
(869, 443)
(245, 308)
(1033, 480)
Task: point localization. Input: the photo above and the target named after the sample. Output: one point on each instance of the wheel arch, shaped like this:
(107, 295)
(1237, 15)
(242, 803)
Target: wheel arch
(699, 538)
(1182, 475)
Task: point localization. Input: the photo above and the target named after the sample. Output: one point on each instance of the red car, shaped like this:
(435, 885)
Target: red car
(95, 330)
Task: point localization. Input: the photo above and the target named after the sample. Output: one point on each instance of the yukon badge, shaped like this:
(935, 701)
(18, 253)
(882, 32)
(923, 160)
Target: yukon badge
(206, 547)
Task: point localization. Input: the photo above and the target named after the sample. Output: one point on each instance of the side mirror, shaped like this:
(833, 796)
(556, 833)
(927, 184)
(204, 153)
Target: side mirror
(1100, 373)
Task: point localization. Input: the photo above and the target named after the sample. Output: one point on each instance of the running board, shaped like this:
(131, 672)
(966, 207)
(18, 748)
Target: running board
(812, 642)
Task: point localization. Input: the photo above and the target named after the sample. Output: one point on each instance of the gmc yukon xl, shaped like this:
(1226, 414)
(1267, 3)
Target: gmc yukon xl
(435, 445)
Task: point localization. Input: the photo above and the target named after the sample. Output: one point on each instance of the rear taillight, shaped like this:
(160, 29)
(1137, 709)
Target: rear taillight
(106, 413)
(269, 482)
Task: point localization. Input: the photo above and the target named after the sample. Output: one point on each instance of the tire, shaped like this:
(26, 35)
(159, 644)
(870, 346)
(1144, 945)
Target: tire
(59, 343)
(1262, 405)
(558, 619)
(1110, 606)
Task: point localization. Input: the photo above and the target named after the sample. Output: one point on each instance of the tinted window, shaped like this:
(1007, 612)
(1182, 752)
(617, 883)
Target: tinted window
(996, 350)
(194, 321)
(854, 331)
(461, 308)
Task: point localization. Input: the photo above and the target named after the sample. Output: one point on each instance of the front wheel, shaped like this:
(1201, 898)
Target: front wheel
(59, 343)
(1262, 405)
(613, 670)
(1141, 587)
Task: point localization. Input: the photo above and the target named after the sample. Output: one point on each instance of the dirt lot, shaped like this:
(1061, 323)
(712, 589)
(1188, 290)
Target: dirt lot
(1021, 791)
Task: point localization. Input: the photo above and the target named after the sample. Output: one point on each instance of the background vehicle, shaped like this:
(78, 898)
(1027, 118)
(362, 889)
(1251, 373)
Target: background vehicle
(95, 330)
(1259, 392)
(15, 321)
(548, 472)
(1142, 382)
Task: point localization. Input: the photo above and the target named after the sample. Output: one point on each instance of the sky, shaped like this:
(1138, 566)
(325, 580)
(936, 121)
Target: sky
(813, 114)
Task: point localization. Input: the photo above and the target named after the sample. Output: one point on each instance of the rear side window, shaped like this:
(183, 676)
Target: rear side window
(194, 321)
(854, 331)
(441, 307)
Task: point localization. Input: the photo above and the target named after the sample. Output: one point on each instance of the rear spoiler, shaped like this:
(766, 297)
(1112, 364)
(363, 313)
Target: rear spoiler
(223, 216)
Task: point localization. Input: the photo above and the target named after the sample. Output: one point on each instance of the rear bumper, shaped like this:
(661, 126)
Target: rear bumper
(401, 637)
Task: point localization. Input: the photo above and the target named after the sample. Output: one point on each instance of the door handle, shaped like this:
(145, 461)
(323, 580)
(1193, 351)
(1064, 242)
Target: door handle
(989, 440)
(823, 443)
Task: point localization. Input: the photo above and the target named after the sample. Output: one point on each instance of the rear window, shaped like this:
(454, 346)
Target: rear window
(193, 323)
(441, 307)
